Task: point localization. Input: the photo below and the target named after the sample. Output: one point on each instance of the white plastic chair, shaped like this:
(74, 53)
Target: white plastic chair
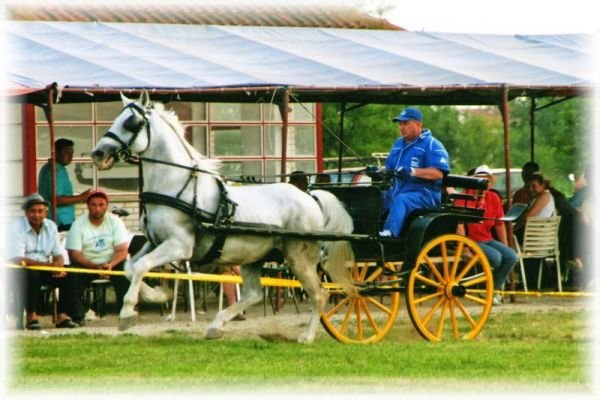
(540, 241)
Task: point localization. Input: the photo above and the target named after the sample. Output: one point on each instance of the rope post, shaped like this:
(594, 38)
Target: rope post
(284, 110)
(505, 111)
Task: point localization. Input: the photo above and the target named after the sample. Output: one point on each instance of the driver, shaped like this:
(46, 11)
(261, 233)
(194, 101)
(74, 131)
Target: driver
(419, 162)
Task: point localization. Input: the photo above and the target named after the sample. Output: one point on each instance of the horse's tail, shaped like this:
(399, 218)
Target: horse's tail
(336, 254)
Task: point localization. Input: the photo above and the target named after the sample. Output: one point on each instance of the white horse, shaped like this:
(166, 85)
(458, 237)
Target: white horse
(182, 188)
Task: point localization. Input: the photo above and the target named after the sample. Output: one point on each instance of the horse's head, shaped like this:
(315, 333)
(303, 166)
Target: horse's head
(128, 134)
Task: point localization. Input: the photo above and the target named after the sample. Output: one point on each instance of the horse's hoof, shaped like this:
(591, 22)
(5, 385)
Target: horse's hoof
(214, 333)
(305, 340)
(126, 322)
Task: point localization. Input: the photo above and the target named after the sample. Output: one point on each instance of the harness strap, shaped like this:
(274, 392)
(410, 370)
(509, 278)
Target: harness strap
(164, 200)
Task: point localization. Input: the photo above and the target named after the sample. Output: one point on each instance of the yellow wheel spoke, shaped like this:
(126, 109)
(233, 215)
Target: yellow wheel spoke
(476, 299)
(336, 308)
(374, 275)
(433, 310)
(347, 317)
(481, 279)
(428, 297)
(453, 320)
(457, 258)
(365, 271)
(465, 313)
(434, 269)
(468, 267)
(359, 324)
(370, 318)
(427, 281)
(440, 327)
(379, 305)
(445, 261)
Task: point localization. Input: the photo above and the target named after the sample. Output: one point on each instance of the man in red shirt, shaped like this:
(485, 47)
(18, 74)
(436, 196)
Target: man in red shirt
(501, 257)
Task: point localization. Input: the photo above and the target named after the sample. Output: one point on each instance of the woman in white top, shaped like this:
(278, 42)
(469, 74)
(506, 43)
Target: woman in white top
(543, 202)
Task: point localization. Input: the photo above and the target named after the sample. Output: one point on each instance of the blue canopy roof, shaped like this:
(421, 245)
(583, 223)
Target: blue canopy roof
(316, 63)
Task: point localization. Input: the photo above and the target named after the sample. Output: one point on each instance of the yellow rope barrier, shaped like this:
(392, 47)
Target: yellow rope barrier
(195, 276)
(265, 281)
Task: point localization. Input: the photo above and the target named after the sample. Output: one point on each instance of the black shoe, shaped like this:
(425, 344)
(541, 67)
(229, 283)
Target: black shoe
(79, 321)
(34, 325)
(67, 323)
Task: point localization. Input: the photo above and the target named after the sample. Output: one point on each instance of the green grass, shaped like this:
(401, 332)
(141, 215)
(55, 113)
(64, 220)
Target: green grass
(544, 351)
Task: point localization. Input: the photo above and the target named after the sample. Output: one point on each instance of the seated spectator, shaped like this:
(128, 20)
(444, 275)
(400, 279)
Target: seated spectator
(299, 179)
(98, 240)
(323, 179)
(34, 240)
(524, 196)
(501, 257)
(543, 202)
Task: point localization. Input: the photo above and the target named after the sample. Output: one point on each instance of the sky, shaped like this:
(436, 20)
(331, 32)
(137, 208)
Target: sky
(484, 16)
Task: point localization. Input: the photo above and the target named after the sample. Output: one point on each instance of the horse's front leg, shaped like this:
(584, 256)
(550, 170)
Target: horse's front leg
(169, 250)
(148, 293)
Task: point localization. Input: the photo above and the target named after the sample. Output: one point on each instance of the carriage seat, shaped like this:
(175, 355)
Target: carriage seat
(454, 200)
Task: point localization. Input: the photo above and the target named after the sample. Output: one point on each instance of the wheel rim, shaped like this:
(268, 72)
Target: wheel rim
(449, 291)
(362, 318)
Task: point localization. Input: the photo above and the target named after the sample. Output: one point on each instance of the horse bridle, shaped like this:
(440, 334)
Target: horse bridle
(133, 124)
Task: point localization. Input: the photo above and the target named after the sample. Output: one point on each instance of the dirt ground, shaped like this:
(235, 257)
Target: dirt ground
(261, 321)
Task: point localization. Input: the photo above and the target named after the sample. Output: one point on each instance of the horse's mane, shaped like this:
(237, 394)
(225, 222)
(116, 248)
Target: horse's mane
(208, 164)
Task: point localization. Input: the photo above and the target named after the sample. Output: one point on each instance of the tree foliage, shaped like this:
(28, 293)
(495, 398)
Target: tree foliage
(475, 135)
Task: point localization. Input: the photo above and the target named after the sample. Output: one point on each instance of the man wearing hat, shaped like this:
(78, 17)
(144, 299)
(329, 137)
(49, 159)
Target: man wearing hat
(34, 241)
(501, 257)
(98, 240)
(418, 162)
(65, 199)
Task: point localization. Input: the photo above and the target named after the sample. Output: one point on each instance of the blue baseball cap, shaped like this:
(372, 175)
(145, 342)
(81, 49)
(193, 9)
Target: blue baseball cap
(409, 113)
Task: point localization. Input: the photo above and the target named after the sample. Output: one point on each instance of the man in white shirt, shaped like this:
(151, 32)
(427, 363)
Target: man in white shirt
(34, 241)
(98, 240)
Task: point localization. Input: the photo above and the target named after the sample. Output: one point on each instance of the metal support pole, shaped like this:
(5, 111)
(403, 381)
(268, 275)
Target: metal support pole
(341, 142)
(532, 130)
(284, 110)
(506, 124)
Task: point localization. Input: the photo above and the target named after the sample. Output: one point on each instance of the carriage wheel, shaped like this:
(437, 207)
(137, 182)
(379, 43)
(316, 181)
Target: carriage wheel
(362, 318)
(451, 281)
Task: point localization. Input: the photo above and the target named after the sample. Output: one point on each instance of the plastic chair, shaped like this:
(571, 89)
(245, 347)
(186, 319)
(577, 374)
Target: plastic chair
(540, 241)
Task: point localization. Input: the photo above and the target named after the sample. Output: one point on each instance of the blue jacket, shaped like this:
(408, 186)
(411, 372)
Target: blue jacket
(423, 152)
